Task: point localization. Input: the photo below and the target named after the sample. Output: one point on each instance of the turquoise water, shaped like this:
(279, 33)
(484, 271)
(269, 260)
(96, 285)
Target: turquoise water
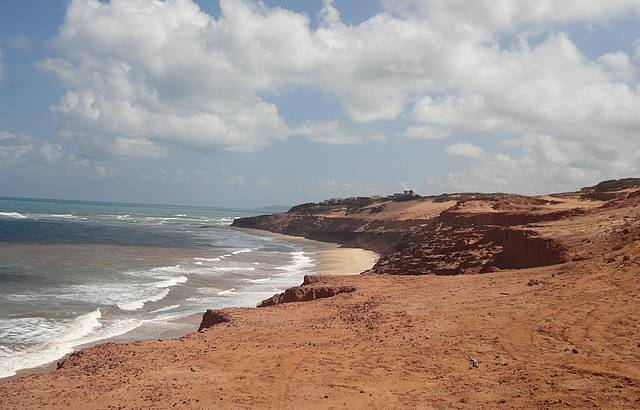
(73, 272)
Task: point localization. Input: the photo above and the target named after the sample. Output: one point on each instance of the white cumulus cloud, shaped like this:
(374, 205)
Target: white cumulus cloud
(546, 161)
(141, 75)
(466, 150)
(17, 148)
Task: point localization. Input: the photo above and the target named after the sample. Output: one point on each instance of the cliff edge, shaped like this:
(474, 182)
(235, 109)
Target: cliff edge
(465, 233)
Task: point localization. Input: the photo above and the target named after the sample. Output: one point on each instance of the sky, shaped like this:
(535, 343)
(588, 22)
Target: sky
(249, 103)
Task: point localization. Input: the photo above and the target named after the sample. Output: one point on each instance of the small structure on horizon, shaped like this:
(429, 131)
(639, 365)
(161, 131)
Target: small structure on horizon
(349, 201)
(406, 194)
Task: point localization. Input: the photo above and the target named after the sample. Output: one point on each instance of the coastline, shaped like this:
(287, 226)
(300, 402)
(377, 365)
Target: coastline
(367, 350)
(550, 323)
(188, 324)
(329, 259)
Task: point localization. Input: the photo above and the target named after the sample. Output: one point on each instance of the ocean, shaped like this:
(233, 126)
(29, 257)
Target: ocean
(73, 273)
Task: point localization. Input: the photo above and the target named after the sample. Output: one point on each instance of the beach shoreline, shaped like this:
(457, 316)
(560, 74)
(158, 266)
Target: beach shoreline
(473, 306)
(329, 259)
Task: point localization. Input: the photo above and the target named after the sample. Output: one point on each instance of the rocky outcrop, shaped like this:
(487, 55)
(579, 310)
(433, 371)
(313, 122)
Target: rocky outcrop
(212, 318)
(612, 189)
(456, 218)
(615, 185)
(306, 293)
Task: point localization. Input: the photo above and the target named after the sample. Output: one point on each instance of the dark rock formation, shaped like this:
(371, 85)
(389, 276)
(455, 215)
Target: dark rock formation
(306, 293)
(351, 232)
(213, 317)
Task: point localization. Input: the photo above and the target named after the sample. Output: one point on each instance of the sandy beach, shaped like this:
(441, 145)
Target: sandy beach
(344, 261)
(330, 258)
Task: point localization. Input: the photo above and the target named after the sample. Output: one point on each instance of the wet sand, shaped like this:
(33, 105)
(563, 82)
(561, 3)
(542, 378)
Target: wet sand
(330, 258)
(344, 261)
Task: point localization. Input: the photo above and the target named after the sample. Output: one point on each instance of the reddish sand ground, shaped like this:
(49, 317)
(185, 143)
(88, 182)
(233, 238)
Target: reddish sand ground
(571, 341)
(561, 336)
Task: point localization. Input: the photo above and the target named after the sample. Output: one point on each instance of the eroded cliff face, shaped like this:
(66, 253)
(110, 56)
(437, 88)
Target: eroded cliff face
(351, 232)
(460, 233)
(523, 249)
(474, 249)
(213, 317)
(311, 289)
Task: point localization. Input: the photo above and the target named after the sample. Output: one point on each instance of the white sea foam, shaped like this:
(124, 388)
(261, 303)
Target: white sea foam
(72, 217)
(150, 296)
(234, 298)
(239, 251)
(14, 215)
(165, 320)
(159, 272)
(170, 281)
(257, 288)
(300, 263)
(167, 269)
(222, 221)
(139, 303)
(126, 296)
(262, 280)
(161, 220)
(46, 340)
(234, 268)
(54, 216)
(165, 309)
(207, 259)
(208, 291)
(17, 215)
